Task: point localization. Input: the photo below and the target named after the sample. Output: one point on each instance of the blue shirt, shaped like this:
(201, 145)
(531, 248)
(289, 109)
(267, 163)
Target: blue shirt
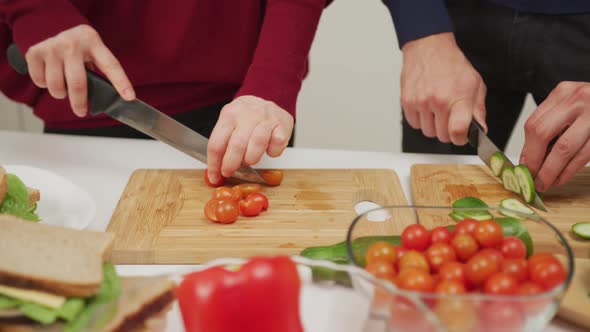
(414, 19)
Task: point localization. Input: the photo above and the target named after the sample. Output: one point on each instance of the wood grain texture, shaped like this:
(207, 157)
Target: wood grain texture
(435, 184)
(159, 218)
(575, 306)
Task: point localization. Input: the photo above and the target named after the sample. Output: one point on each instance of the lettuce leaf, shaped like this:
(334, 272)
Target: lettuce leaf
(16, 201)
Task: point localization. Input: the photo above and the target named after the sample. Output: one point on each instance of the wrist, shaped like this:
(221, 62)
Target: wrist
(438, 42)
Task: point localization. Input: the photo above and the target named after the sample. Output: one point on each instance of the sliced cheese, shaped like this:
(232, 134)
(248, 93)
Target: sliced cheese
(37, 297)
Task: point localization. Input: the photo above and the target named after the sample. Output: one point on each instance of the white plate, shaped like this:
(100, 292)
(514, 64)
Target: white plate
(62, 203)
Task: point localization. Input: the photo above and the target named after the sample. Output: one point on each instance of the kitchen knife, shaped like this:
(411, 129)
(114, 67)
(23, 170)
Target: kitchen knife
(486, 148)
(104, 99)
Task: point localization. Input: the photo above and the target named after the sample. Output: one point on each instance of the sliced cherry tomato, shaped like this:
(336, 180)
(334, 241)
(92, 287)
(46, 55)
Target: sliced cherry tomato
(500, 283)
(415, 280)
(246, 189)
(438, 254)
(515, 267)
(227, 212)
(413, 259)
(465, 246)
(440, 234)
(548, 273)
(226, 193)
(513, 247)
(382, 270)
(210, 209)
(209, 183)
(272, 177)
(465, 226)
(381, 251)
(529, 288)
(259, 197)
(250, 208)
(480, 267)
(488, 233)
(450, 287)
(453, 271)
(415, 237)
(493, 253)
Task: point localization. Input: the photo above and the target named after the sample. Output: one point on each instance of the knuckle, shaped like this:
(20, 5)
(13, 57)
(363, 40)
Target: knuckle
(214, 149)
(439, 101)
(280, 139)
(563, 147)
(583, 92)
(87, 32)
(564, 86)
(77, 85)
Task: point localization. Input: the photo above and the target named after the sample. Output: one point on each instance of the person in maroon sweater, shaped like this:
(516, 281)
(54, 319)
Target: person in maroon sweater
(229, 69)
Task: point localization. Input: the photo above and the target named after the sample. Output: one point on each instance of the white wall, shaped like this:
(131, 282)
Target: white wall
(350, 100)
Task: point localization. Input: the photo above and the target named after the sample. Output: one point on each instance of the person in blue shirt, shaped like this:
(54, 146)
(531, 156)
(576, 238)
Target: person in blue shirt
(465, 59)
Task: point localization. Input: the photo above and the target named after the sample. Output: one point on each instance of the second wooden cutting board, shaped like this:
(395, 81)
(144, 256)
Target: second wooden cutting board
(160, 219)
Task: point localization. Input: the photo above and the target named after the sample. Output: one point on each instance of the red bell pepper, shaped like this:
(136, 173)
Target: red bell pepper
(262, 296)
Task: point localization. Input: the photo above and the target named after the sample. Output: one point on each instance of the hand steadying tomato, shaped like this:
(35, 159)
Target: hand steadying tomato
(211, 184)
(415, 237)
(262, 296)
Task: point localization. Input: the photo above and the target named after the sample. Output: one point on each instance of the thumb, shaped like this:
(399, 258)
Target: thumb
(459, 121)
(479, 112)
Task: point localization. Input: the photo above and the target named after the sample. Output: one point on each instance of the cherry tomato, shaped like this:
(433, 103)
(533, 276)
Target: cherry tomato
(250, 208)
(528, 288)
(480, 267)
(415, 237)
(513, 247)
(539, 257)
(450, 287)
(210, 208)
(381, 270)
(493, 253)
(227, 212)
(440, 234)
(259, 197)
(453, 271)
(465, 246)
(246, 189)
(438, 254)
(226, 193)
(516, 268)
(532, 306)
(272, 177)
(413, 259)
(488, 233)
(456, 315)
(209, 183)
(500, 283)
(502, 316)
(548, 273)
(381, 251)
(400, 252)
(415, 280)
(465, 226)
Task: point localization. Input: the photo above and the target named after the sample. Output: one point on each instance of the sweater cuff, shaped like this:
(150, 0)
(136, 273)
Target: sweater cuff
(415, 19)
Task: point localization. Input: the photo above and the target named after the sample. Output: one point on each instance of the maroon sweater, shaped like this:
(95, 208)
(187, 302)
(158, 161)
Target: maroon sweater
(179, 55)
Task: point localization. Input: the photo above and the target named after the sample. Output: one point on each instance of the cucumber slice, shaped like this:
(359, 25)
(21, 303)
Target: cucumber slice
(469, 202)
(582, 229)
(463, 211)
(509, 180)
(525, 181)
(497, 162)
(515, 205)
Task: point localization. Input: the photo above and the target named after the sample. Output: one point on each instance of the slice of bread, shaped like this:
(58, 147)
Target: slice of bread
(3, 183)
(57, 260)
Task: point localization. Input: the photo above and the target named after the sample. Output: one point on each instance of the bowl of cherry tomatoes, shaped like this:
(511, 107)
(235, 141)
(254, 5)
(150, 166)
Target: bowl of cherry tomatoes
(476, 274)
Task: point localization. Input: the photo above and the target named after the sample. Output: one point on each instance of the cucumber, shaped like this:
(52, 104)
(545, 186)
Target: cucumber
(582, 229)
(525, 182)
(463, 211)
(514, 205)
(509, 180)
(514, 227)
(497, 162)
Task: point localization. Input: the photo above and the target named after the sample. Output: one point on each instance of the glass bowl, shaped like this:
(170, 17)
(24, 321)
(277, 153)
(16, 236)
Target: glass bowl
(414, 311)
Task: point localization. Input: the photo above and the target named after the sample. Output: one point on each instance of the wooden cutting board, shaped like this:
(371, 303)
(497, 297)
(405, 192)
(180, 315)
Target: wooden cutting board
(575, 306)
(434, 184)
(159, 218)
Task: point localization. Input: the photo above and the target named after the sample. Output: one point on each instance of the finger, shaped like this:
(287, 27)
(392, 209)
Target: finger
(427, 123)
(412, 117)
(459, 121)
(216, 148)
(566, 147)
(575, 165)
(259, 141)
(236, 148)
(441, 121)
(110, 66)
(557, 96)
(279, 140)
(479, 112)
(36, 67)
(54, 74)
(76, 83)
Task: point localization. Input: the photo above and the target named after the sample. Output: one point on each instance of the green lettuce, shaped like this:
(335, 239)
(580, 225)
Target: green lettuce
(16, 201)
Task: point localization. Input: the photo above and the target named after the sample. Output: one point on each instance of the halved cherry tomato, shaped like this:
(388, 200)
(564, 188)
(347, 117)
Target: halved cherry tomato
(227, 212)
(548, 273)
(450, 287)
(465, 226)
(513, 247)
(210, 209)
(488, 233)
(382, 270)
(259, 197)
(440, 234)
(500, 283)
(272, 177)
(413, 259)
(209, 183)
(465, 246)
(438, 254)
(415, 237)
(480, 267)
(246, 189)
(226, 193)
(381, 251)
(516, 268)
(415, 280)
(453, 271)
(250, 208)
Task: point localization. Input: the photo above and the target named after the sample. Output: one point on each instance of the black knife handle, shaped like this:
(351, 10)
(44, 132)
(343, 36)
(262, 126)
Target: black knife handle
(101, 94)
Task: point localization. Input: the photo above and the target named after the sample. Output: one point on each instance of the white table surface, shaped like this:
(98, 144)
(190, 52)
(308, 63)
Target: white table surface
(102, 166)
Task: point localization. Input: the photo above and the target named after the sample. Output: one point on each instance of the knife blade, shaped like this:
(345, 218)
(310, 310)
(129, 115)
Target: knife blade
(486, 148)
(104, 99)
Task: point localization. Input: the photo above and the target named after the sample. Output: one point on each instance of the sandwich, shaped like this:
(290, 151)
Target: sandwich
(55, 279)
(16, 198)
